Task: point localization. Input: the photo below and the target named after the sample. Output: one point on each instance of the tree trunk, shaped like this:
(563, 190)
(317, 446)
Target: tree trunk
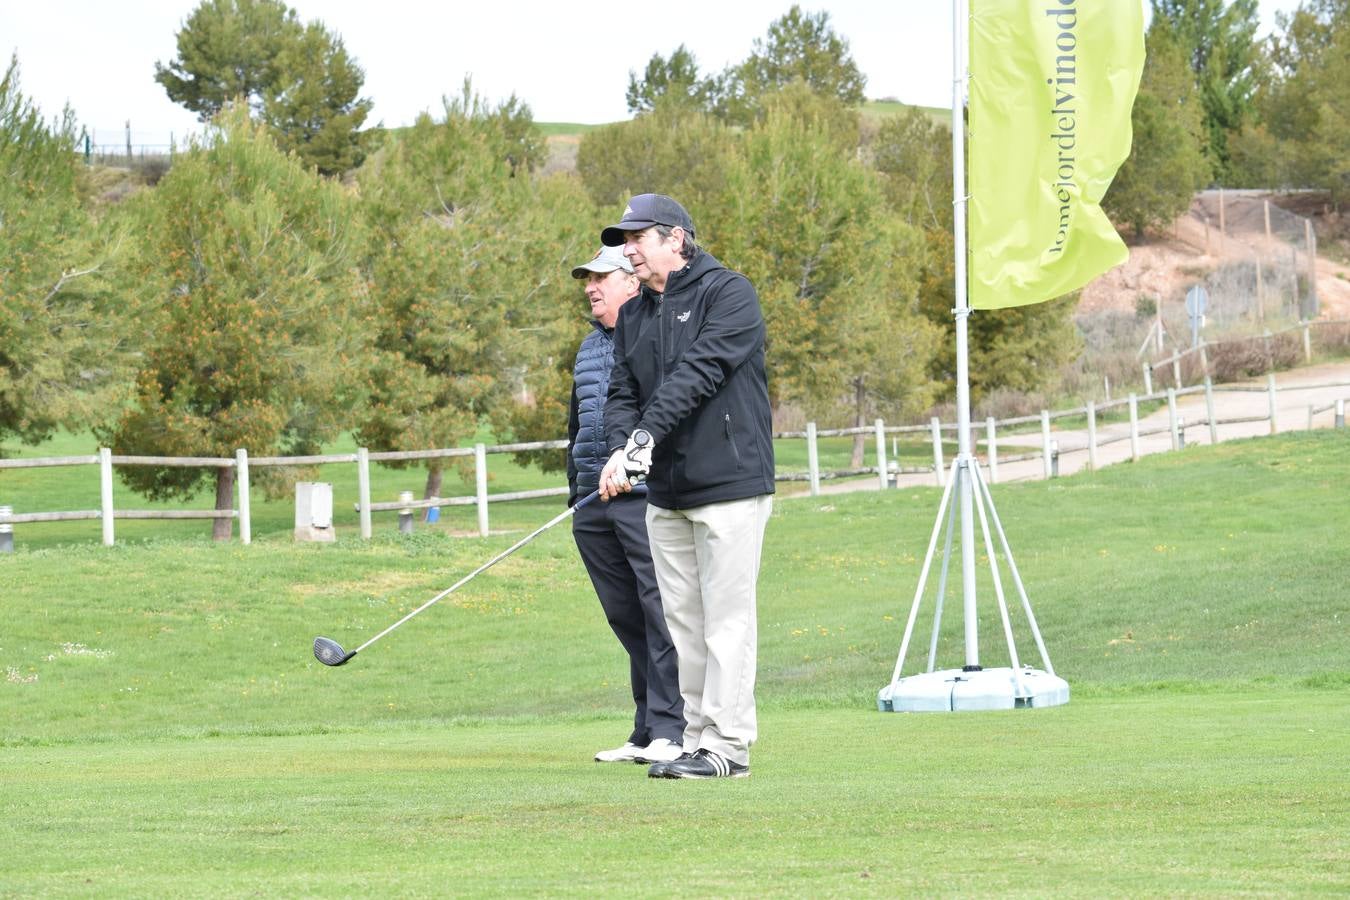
(433, 488)
(221, 528)
(859, 440)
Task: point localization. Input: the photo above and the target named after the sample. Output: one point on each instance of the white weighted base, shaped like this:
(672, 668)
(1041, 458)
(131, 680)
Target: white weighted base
(955, 690)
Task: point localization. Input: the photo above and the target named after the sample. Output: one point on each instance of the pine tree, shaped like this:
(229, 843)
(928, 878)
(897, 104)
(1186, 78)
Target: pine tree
(253, 312)
(299, 79)
(470, 274)
(61, 354)
(799, 47)
(804, 220)
(314, 109)
(1219, 40)
(1166, 164)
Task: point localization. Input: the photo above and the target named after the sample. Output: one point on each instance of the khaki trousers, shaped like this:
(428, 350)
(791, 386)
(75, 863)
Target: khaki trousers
(707, 565)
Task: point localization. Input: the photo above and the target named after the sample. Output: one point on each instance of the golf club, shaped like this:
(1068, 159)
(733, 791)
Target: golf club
(330, 652)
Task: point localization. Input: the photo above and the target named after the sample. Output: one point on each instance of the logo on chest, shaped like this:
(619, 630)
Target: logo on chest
(683, 317)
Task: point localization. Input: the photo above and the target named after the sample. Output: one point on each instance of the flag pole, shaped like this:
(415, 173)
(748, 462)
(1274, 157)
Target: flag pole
(964, 457)
(972, 686)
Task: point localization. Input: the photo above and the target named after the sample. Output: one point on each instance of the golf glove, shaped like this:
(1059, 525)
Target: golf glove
(637, 453)
(613, 478)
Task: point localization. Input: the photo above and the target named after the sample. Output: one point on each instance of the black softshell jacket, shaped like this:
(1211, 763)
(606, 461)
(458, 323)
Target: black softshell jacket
(689, 368)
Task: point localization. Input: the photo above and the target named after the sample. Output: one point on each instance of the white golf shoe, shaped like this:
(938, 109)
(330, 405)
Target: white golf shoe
(627, 753)
(659, 750)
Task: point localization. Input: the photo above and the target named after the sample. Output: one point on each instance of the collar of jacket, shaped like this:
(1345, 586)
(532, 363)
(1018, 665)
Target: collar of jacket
(699, 265)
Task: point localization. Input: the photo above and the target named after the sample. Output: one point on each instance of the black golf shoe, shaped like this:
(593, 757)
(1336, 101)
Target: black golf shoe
(658, 770)
(701, 764)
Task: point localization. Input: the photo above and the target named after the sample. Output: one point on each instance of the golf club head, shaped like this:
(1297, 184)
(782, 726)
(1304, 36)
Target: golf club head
(330, 652)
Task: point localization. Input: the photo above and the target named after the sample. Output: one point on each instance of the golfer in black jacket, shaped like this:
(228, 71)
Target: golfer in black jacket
(688, 405)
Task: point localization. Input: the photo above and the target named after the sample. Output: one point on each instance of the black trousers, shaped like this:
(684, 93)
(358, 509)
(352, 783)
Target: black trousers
(612, 539)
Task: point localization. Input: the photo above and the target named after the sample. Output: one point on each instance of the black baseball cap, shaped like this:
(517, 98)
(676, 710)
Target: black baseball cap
(644, 211)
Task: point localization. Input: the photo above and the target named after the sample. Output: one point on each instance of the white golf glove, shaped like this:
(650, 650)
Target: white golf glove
(637, 453)
(614, 477)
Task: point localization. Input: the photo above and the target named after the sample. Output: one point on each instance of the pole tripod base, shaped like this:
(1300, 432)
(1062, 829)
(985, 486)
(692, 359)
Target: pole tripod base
(956, 690)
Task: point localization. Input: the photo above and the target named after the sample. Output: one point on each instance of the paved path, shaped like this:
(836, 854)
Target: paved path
(1296, 390)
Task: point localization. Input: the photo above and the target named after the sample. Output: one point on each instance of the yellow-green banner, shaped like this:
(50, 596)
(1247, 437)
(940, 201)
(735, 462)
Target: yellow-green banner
(1052, 85)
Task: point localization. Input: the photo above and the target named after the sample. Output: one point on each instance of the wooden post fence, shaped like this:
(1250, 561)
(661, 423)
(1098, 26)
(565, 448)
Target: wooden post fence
(245, 508)
(1270, 390)
(1134, 428)
(993, 449)
(1092, 435)
(936, 427)
(812, 459)
(1172, 418)
(480, 486)
(1209, 411)
(1045, 442)
(882, 473)
(363, 489)
(106, 493)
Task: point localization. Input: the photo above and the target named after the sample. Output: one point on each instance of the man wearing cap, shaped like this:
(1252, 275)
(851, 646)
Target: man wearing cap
(612, 537)
(688, 405)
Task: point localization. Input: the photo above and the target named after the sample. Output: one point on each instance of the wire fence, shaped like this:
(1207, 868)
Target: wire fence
(1266, 274)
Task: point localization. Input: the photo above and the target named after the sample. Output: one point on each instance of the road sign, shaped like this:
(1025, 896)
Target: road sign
(1196, 298)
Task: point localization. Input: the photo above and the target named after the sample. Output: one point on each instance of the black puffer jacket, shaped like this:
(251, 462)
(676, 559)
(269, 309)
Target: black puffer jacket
(587, 450)
(689, 368)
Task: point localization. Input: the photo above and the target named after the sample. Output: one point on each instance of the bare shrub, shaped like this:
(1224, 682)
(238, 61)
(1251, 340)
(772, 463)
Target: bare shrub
(1332, 339)
(1111, 339)
(151, 168)
(1234, 360)
(1002, 404)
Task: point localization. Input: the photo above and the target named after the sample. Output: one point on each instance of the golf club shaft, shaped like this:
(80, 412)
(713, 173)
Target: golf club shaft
(485, 566)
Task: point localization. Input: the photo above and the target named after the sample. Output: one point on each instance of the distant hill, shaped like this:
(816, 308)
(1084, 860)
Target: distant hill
(880, 109)
(871, 109)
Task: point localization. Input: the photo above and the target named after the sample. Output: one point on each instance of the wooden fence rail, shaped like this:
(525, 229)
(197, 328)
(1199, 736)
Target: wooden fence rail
(886, 470)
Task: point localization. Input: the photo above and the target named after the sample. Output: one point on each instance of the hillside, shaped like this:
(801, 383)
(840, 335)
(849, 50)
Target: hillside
(1164, 266)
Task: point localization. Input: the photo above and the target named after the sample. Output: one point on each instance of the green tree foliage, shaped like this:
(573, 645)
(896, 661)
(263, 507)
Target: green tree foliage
(799, 46)
(229, 49)
(297, 78)
(470, 272)
(1303, 106)
(671, 149)
(1019, 349)
(1166, 164)
(674, 80)
(315, 110)
(1219, 39)
(803, 219)
(251, 312)
(913, 154)
(526, 149)
(60, 351)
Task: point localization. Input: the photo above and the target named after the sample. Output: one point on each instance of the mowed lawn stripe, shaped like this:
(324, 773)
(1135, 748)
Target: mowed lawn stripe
(1234, 792)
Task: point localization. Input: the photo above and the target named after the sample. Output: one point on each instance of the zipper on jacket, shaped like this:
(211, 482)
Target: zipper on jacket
(736, 454)
(660, 340)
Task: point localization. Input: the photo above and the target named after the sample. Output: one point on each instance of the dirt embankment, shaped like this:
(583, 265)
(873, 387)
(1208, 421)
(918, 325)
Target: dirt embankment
(1164, 266)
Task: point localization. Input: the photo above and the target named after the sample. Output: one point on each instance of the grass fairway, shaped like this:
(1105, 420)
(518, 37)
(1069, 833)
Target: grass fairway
(1224, 793)
(165, 728)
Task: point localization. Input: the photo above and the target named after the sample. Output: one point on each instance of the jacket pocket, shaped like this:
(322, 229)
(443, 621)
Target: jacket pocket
(731, 439)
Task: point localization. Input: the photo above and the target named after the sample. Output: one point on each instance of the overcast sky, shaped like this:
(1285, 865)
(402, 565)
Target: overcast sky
(568, 60)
